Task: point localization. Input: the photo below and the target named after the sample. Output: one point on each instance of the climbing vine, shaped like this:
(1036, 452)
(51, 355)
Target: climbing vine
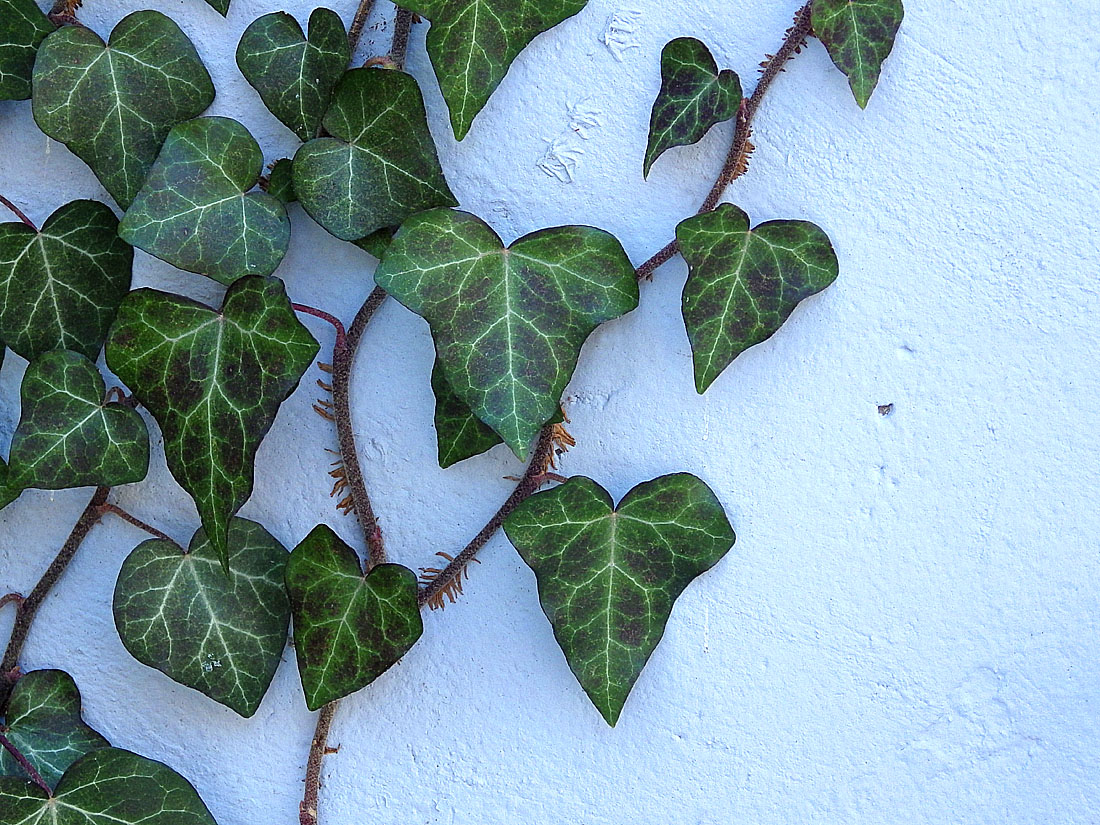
(508, 324)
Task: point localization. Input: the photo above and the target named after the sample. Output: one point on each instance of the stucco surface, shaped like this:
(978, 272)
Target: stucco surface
(907, 629)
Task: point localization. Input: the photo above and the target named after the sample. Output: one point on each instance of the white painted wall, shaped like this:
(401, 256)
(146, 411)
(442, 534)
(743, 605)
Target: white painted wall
(907, 629)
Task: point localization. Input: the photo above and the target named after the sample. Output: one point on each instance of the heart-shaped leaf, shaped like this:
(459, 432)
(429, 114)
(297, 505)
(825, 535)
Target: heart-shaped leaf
(114, 105)
(23, 27)
(60, 287)
(68, 435)
(221, 635)
(195, 210)
(214, 381)
(108, 786)
(508, 323)
(608, 577)
(744, 285)
(44, 723)
(349, 629)
(859, 36)
(694, 97)
(472, 43)
(295, 75)
(379, 166)
(378, 242)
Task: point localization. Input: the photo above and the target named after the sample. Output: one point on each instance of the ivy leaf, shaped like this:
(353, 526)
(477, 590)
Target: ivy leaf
(114, 105)
(859, 36)
(60, 287)
(108, 786)
(23, 27)
(45, 725)
(349, 629)
(280, 183)
(295, 75)
(195, 210)
(68, 436)
(221, 635)
(694, 97)
(220, 6)
(608, 577)
(508, 323)
(378, 242)
(214, 381)
(459, 433)
(744, 285)
(379, 166)
(472, 44)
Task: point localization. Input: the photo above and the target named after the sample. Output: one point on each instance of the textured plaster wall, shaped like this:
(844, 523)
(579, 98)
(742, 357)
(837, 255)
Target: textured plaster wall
(907, 629)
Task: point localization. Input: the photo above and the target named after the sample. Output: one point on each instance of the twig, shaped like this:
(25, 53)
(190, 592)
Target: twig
(402, 26)
(11, 598)
(532, 479)
(115, 510)
(342, 363)
(737, 160)
(362, 14)
(341, 334)
(307, 809)
(27, 610)
(18, 213)
(26, 765)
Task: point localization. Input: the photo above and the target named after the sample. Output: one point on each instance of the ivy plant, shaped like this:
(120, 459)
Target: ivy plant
(509, 324)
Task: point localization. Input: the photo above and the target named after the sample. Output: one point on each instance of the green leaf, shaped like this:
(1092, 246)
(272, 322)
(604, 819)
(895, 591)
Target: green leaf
(108, 786)
(472, 43)
(280, 183)
(214, 381)
(460, 434)
(349, 629)
(221, 635)
(295, 75)
(508, 323)
(60, 287)
(859, 36)
(195, 210)
(45, 725)
(379, 166)
(694, 97)
(23, 27)
(220, 6)
(608, 577)
(378, 242)
(744, 285)
(68, 436)
(114, 105)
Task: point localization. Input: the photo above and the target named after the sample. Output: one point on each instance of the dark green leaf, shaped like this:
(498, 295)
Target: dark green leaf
(23, 27)
(294, 75)
(744, 285)
(694, 97)
(8, 494)
(45, 725)
(214, 382)
(106, 787)
(460, 434)
(113, 106)
(379, 166)
(608, 577)
(220, 6)
(378, 242)
(349, 629)
(195, 210)
(859, 35)
(472, 43)
(508, 323)
(221, 635)
(68, 436)
(280, 183)
(60, 287)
